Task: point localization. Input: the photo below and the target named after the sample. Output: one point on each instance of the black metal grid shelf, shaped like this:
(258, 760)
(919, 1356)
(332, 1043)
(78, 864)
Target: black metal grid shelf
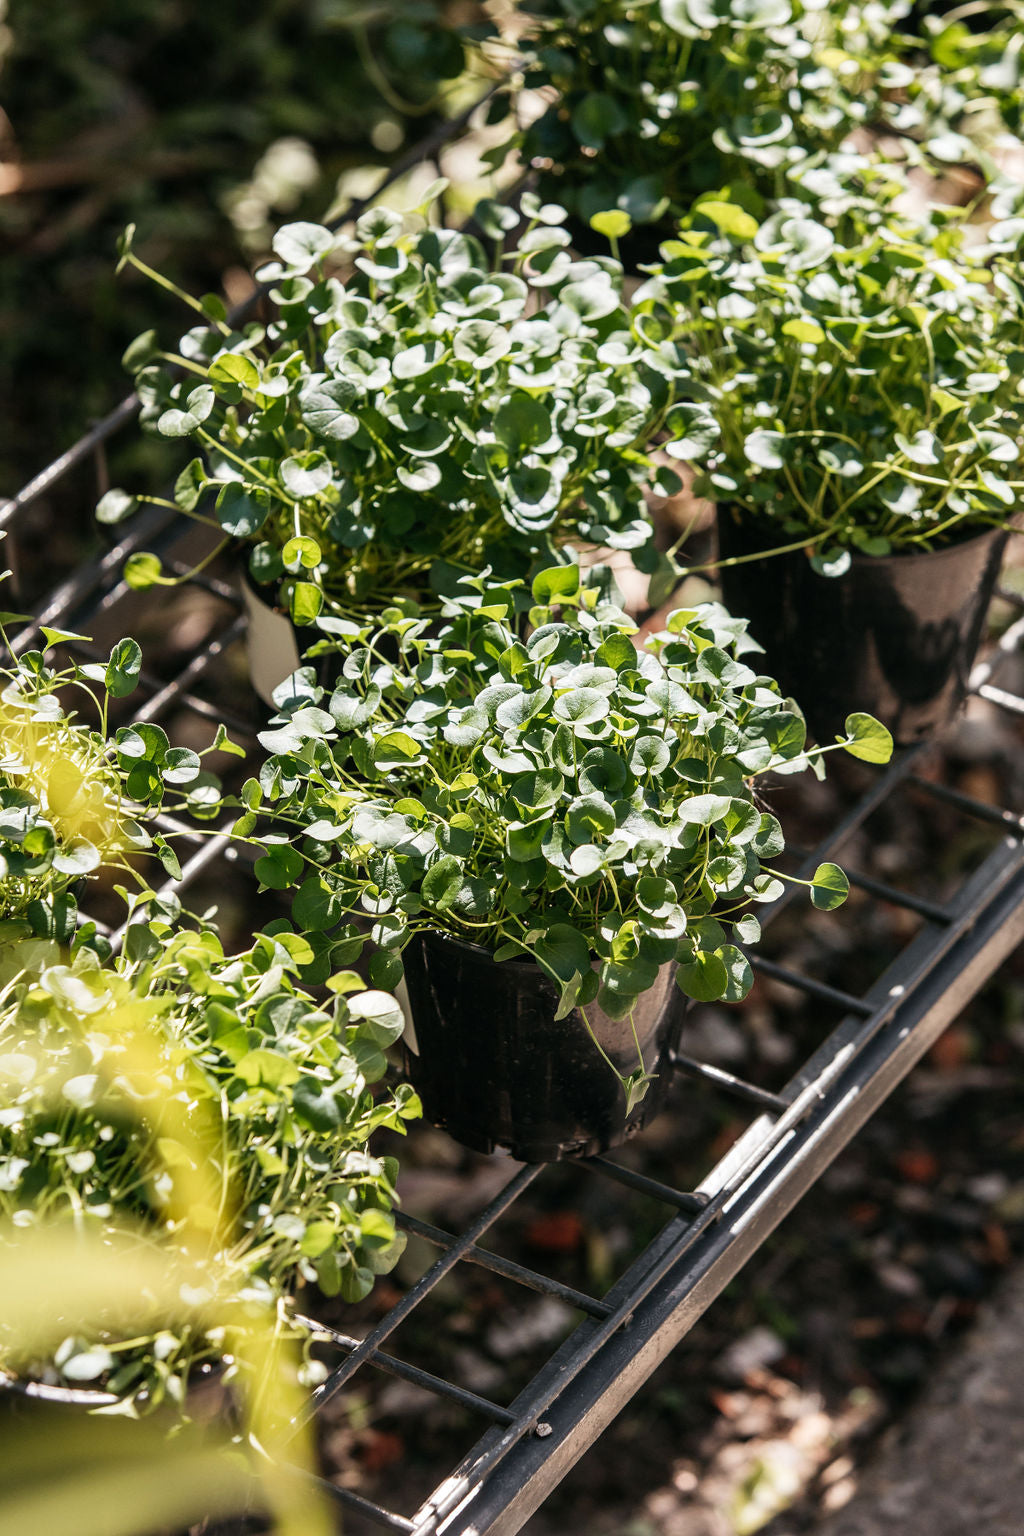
(709, 1231)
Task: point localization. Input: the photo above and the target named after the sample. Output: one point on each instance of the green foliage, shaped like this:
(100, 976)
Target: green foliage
(566, 796)
(444, 409)
(662, 101)
(73, 801)
(114, 1080)
(854, 395)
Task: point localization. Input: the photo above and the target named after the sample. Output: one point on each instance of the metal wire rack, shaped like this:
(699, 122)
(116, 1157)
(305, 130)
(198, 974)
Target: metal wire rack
(708, 1232)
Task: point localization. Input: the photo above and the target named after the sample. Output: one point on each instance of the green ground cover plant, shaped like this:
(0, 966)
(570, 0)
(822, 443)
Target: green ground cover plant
(274, 1091)
(565, 797)
(167, 1095)
(75, 800)
(860, 396)
(457, 401)
(658, 102)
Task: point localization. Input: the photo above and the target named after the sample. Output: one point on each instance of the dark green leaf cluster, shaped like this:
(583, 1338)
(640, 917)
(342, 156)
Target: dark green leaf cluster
(862, 396)
(662, 101)
(565, 796)
(451, 404)
(276, 1093)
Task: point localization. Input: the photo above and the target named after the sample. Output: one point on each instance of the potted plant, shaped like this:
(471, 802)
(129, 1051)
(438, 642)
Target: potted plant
(652, 105)
(200, 1104)
(453, 404)
(558, 836)
(858, 418)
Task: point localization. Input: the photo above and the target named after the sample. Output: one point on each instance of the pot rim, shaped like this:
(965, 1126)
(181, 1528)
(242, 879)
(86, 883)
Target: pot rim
(900, 557)
(523, 962)
(478, 949)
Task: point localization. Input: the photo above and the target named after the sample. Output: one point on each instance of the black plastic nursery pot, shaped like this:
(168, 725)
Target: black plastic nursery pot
(497, 1071)
(894, 636)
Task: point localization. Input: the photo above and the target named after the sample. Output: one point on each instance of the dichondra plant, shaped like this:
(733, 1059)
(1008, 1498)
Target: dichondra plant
(74, 800)
(174, 1095)
(451, 403)
(566, 797)
(658, 102)
(850, 397)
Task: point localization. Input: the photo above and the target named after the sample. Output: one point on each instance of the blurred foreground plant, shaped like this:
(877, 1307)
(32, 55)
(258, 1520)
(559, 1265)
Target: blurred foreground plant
(204, 1097)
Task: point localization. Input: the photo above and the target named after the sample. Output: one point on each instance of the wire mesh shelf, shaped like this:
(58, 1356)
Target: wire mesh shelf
(871, 1035)
(709, 1231)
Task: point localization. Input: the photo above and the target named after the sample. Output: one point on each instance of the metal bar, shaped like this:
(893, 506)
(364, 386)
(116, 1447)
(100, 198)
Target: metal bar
(338, 1377)
(927, 952)
(190, 871)
(391, 1366)
(507, 1268)
(66, 597)
(202, 662)
(1008, 644)
(679, 1199)
(718, 1078)
(890, 893)
(211, 584)
(751, 1213)
(883, 786)
(819, 989)
(364, 1507)
(971, 807)
(190, 701)
(919, 904)
(1000, 697)
(65, 462)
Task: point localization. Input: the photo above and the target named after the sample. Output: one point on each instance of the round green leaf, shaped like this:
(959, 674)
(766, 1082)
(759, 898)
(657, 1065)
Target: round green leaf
(829, 888)
(301, 554)
(395, 749)
(441, 883)
(730, 218)
(740, 975)
(808, 332)
(302, 245)
(614, 223)
(378, 1015)
(142, 570)
(115, 506)
(705, 978)
(521, 422)
(868, 739)
(123, 669)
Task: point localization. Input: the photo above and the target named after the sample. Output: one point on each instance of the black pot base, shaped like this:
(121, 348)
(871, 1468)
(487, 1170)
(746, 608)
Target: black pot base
(496, 1070)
